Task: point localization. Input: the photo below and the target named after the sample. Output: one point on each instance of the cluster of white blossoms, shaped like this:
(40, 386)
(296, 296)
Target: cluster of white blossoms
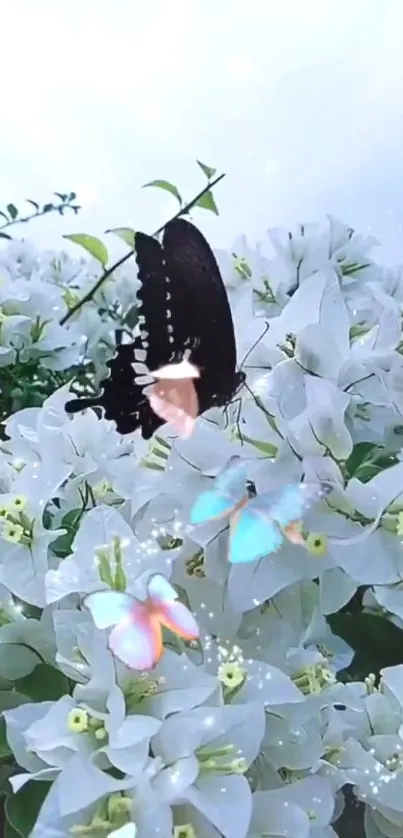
(255, 732)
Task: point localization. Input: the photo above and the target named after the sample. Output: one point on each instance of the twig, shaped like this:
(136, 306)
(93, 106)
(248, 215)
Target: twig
(183, 211)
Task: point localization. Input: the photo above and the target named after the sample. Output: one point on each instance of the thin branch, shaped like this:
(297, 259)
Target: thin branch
(89, 295)
(39, 213)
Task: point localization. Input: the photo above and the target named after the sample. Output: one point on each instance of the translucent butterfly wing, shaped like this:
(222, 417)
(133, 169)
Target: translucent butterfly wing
(175, 401)
(138, 641)
(108, 608)
(170, 611)
(229, 489)
(253, 535)
(293, 501)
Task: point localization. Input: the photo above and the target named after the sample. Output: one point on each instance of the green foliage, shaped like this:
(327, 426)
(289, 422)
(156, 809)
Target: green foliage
(10, 699)
(167, 186)
(70, 522)
(95, 247)
(206, 201)
(208, 171)
(5, 750)
(376, 641)
(44, 683)
(23, 807)
(366, 460)
(12, 215)
(126, 234)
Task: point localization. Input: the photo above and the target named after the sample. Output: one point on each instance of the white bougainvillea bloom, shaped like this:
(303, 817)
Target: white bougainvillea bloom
(252, 731)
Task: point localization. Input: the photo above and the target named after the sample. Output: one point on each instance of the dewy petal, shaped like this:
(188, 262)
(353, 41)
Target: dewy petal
(317, 300)
(319, 352)
(274, 817)
(313, 794)
(128, 748)
(326, 407)
(388, 484)
(79, 573)
(267, 684)
(50, 823)
(172, 782)
(129, 830)
(17, 722)
(183, 686)
(251, 584)
(226, 802)
(336, 589)
(81, 784)
(392, 679)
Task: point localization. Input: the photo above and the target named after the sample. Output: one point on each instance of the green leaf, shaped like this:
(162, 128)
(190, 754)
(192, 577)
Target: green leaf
(206, 201)
(47, 208)
(12, 211)
(265, 447)
(22, 809)
(10, 699)
(61, 195)
(126, 234)
(367, 459)
(376, 641)
(5, 236)
(44, 683)
(9, 831)
(208, 171)
(361, 453)
(62, 545)
(34, 204)
(168, 187)
(5, 750)
(92, 245)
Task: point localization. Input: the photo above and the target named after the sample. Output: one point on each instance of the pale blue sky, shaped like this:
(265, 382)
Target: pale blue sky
(301, 104)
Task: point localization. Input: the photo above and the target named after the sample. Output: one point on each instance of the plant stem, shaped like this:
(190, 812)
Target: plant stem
(89, 295)
(55, 208)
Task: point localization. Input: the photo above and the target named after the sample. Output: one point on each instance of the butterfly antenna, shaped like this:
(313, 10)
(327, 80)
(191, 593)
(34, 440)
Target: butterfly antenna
(256, 343)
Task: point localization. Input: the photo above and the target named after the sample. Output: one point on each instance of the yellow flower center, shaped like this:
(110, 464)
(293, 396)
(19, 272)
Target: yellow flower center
(184, 831)
(77, 720)
(12, 532)
(316, 544)
(231, 674)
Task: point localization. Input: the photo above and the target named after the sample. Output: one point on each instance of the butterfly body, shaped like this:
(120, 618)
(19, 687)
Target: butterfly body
(258, 524)
(184, 313)
(136, 635)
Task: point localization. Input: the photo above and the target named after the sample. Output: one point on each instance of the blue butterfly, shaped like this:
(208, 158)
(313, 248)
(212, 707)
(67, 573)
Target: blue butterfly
(258, 523)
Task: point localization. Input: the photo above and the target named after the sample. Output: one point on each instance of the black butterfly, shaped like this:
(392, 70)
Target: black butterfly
(183, 308)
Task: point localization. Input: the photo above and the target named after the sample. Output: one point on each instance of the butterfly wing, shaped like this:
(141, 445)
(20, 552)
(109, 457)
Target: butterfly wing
(294, 500)
(190, 259)
(171, 612)
(253, 535)
(165, 320)
(175, 402)
(137, 641)
(108, 608)
(228, 491)
(121, 399)
(183, 370)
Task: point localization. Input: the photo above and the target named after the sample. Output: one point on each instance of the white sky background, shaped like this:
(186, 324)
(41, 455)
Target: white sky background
(300, 102)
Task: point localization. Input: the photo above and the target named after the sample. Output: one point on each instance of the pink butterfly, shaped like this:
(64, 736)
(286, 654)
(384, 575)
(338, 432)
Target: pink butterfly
(136, 636)
(173, 396)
